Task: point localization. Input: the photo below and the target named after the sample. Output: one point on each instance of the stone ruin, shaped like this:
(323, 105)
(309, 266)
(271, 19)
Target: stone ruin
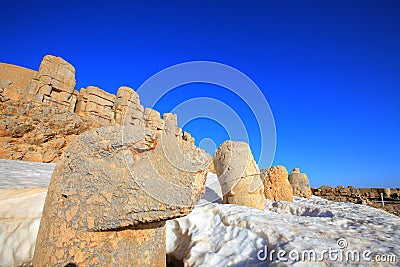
(242, 182)
(98, 211)
(127, 107)
(109, 197)
(96, 103)
(54, 84)
(276, 184)
(356, 195)
(41, 111)
(300, 183)
(104, 205)
(238, 175)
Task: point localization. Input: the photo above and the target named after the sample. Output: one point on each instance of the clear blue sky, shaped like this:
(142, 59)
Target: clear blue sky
(330, 70)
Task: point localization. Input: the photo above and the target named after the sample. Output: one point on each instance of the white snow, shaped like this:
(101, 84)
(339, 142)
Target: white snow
(20, 211)
(22, 174)
(230, 235)
(215, 234)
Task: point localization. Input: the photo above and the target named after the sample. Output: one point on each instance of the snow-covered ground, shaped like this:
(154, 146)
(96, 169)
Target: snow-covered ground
(23, 174)
(223, 235)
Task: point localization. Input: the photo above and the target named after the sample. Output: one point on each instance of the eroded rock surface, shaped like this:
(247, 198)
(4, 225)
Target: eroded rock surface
(41, 111)
(96, 104)
(239, 175)
(127, 108)
(14, 80)
(276, 184)
(300, 183)
(54, 83)
(110, 194)
(33, 131)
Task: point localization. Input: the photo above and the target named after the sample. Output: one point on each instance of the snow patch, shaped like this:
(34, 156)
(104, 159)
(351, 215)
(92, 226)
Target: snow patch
(23, 174)
(20, 212)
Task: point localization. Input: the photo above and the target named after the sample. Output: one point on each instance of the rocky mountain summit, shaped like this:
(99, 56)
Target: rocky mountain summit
(104, 205)
(41, 111)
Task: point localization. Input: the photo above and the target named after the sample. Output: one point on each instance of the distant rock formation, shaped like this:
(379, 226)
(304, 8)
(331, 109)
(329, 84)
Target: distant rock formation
(366, 196)
(356, 195)
(41, 111)
(239, 175)
(109, 197)
(300, 183)
(276, 184)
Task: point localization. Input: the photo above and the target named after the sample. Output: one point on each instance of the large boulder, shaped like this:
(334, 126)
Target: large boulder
(153, 120)
(239, 175)
(127, 108)
(97, 104)
(300, 183)
(276, 184)
(54, 84)
(110, 195)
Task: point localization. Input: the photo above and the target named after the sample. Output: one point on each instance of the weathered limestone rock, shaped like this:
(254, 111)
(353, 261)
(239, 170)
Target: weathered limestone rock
(53, 84)
(365, 196)
(4, 85)
(40, 112)
(153, 120)
(276, 184)
(14, 80)
(239, 175)
(97, 104)
(188, 137)
(211, 168)
(109, 198)
(171, 124)
(34, 131)
(300, 183)
(127, 108)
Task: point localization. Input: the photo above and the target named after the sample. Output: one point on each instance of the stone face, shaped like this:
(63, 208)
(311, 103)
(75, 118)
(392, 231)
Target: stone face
(54, 84)
(239, 175)
(97, 104)
(110, 194)
(300, 184)
(153, 120)
(171, 124)
(276, 184)
(127, 108)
